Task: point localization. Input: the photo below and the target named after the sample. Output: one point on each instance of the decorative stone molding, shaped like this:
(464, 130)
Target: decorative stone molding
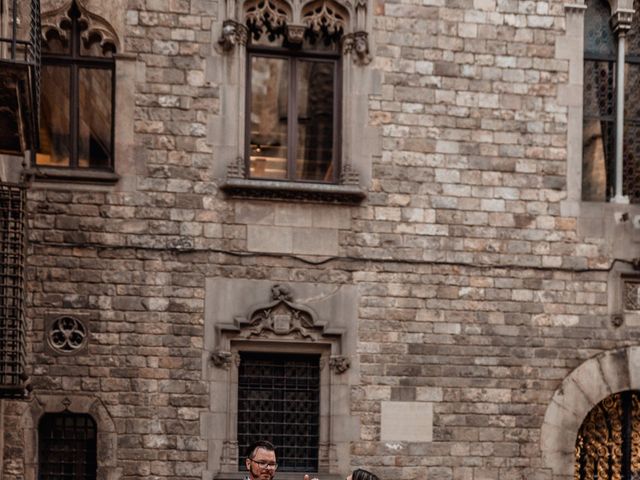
(270, 15)
(575, 8)
(278, 17)
(339, 364)
(621, 20)
(236, 169)
(67, 335)
(325, 16)
(94, 26)
(279, 318)
(631, 293)
(358, 44)
(222, 359)
(349, 176)
(233, 33)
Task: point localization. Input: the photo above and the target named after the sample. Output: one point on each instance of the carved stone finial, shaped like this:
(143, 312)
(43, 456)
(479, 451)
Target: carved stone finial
(221, 359)
(339, 363)
(236, 169)
(281, 292)
(358, 44)
(295, 33)
(349, 176)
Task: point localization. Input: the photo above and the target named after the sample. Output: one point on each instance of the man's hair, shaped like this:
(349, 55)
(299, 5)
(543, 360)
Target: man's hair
(264, 444)
(360, 474)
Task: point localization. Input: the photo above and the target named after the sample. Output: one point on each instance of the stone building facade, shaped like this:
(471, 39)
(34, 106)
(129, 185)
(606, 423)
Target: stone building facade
(466, 304)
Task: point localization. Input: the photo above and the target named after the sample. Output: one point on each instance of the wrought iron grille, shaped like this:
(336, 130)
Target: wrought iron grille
(598, 127)
(631, 148)
(279, 401)
(632, 294)
(608, 443)
(67, 447)
(12, 323)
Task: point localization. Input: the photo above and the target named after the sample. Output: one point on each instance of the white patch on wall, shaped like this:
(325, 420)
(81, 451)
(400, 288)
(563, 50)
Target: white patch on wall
(407, 422)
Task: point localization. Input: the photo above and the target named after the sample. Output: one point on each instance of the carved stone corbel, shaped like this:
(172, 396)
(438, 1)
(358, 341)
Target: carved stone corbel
(349, 176)
(295, 33)
(339, 364)
(621, 21)
(233, 33)
(221, 359)
(357, 43)
(236, 169)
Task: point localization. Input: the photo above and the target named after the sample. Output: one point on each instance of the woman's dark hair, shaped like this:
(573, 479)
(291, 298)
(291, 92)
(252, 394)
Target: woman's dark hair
(360, 474)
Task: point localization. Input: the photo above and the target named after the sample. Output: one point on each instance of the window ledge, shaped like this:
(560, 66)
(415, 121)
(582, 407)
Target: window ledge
(79, 176)
(282, 190)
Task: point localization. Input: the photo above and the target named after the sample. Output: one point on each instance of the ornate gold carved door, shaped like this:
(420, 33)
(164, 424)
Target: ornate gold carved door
(608, 443)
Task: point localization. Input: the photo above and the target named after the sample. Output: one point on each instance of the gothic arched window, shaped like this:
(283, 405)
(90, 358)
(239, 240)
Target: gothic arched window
(77, 99)
(293, 98)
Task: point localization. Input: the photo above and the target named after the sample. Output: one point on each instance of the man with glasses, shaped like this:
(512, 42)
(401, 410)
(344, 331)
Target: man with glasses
(261, 461)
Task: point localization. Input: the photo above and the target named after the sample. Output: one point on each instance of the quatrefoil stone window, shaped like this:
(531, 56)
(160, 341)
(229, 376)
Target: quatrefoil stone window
(67, 335)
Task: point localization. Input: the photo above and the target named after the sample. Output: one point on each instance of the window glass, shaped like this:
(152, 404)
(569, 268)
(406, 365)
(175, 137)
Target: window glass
(268, 117)
(598, 127)
(55, 146)
(598, 130)
(598, 36)
(95, 118)
(315, 98)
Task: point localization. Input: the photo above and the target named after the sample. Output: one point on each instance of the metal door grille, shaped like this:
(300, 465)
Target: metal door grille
(608, 443)
(12, 323)
(279, 401)
(67, 448)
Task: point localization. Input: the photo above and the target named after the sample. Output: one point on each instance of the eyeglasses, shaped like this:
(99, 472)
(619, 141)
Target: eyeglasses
(265, 465)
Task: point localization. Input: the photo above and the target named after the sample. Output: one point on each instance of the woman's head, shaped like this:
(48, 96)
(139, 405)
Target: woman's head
(360, 474)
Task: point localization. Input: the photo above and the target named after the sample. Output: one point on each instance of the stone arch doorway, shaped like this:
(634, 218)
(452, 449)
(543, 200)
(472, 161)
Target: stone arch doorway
(583, 389)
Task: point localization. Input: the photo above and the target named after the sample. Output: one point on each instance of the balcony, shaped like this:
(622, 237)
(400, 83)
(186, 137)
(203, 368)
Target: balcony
(19, 75)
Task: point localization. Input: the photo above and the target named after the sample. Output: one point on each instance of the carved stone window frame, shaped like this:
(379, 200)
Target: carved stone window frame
(279, 325)
(227, 130)
(620, 316)
(124, 151)
(108, 467)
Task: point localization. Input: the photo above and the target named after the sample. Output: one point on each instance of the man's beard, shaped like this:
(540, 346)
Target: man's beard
(259, 474)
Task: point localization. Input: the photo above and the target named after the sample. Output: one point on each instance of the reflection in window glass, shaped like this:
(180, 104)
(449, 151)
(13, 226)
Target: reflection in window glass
(94, 123)
(598, 134)
(268, 117)
(315, 95)
(631, 135)
(55, 141)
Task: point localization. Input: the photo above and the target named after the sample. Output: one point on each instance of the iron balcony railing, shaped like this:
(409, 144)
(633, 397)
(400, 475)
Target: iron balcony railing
(20, 45)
